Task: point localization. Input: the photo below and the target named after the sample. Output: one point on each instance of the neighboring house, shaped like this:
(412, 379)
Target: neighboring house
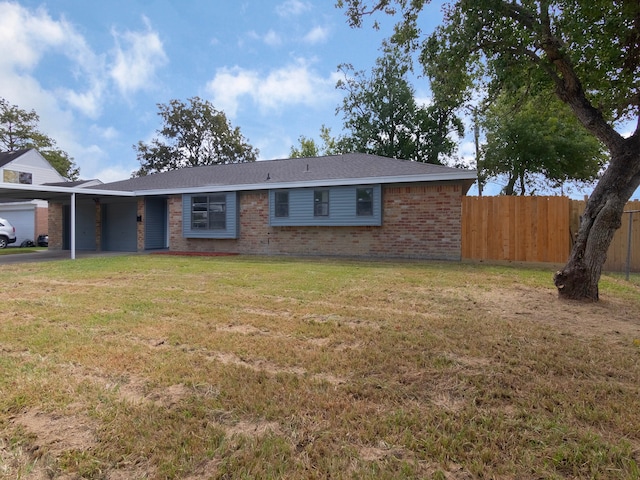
(341, 205)
(26, 167)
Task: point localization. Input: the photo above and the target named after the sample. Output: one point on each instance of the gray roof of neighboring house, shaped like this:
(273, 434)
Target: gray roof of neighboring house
(331, 169)
(75, 183)
(8, 157)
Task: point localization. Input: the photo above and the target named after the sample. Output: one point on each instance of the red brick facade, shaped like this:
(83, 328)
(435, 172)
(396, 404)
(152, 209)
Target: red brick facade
(55, 225)
(419, 221)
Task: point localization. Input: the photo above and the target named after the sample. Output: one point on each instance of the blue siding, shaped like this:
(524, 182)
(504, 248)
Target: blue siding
(119, 226)
(231, 230)
(155, 223)
(86, 225)
(342, 208)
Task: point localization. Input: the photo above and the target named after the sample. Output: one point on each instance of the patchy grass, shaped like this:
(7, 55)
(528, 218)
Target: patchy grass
(248, 367)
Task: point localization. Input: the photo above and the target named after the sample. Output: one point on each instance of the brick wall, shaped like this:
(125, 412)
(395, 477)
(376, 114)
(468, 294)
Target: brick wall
(419, 221)
(55, 226)
(41, 221)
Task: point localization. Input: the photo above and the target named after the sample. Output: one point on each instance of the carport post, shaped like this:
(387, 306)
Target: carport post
(73, 226)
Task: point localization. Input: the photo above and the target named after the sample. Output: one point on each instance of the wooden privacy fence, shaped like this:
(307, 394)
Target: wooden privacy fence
(538, 229)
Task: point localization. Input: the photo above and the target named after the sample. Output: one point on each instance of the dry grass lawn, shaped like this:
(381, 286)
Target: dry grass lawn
(241, 367)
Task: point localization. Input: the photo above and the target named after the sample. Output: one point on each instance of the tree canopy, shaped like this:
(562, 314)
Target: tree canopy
(382, 117)
(309, 148)
(534, 141)
(193, 134)
(588, 52)
(19, 130)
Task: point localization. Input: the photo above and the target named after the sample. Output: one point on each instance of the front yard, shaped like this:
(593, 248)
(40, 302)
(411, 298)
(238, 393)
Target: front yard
(247, 367)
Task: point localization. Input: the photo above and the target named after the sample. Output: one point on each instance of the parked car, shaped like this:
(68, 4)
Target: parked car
(7, 233)
(43, 240)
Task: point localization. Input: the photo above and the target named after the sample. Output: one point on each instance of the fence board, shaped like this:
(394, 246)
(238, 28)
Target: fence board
(537, 229)
(530, 229)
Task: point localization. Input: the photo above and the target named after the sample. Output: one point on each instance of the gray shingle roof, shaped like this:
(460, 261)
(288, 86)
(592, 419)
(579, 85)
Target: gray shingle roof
(293, 170)
(8, 157)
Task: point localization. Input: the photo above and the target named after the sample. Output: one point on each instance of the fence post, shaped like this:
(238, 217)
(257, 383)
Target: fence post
(630, 237)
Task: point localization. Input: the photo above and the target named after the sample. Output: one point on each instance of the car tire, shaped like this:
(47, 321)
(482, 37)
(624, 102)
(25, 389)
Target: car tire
(4, 241)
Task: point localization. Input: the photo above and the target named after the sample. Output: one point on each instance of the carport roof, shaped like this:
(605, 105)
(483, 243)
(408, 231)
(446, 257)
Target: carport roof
(52, 192)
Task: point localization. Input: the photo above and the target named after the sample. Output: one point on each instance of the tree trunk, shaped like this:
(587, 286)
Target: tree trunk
(579, 278)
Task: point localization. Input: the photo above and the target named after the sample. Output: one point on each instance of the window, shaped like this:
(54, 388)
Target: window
(321, 203)
(364, 202)
(282, 204)
(12, 176)
(209, 212)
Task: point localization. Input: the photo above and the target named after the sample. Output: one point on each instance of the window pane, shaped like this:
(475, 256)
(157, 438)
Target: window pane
(364, 202)
(217, 220)
(217, 212)
(321, 203)
(282, 204)
(209, 212)
(199, 220)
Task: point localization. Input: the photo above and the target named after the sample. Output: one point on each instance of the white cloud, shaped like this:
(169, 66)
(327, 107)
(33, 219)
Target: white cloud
(317, 35)
(108, 133)
(137, 57)
(34, 34)
(229, 85)
(272, 39)
(79, 82)
(292, 8)
(293, 85)
(28, 35)
(114, 174)
(423, 101)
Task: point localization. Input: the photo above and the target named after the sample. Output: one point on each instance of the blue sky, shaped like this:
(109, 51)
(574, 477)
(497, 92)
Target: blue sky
(95, 71)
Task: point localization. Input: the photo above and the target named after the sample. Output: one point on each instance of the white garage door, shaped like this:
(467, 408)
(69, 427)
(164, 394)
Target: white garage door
(24, 221)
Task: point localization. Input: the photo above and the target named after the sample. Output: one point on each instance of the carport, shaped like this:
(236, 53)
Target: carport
(60, 193)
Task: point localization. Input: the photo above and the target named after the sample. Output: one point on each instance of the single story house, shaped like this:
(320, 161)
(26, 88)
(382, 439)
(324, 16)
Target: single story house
(340, 205)
(28, 215)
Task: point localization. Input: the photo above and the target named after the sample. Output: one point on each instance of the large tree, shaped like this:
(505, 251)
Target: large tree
(382, 117)
(534, 141)
(193, 134)
(19, 130)
(588, 51)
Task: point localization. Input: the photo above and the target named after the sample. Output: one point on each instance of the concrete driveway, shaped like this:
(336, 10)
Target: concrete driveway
(50, 255)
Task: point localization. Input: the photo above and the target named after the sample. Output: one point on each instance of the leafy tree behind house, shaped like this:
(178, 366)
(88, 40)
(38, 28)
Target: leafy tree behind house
(19, 130)
(534, 139)
(309, 148)
(381, 115)
(192, 134)
(587, 51)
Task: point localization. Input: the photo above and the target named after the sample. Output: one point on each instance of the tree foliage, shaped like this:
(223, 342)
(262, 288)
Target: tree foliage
(530, 139)
(382, 117)
(588, 52)
(193, 134)
(309, 148)
(19, 130)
